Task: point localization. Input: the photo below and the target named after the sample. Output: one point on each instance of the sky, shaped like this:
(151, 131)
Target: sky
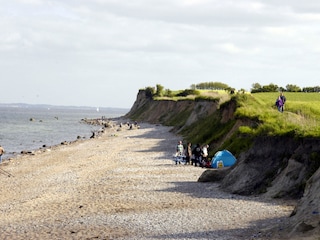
(101, 52)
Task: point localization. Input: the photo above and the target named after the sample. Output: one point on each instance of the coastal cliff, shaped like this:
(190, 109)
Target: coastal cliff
(178, 114)
(285, 167)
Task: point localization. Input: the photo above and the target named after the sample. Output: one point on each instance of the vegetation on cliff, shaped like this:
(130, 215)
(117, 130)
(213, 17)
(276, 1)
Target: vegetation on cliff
(231, 120)
(301, 117)
(278, 152)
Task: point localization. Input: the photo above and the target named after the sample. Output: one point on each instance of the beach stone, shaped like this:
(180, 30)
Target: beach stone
(26, 152)
(213, 175)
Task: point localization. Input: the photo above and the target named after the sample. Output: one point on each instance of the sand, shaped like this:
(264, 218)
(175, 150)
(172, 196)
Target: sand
(124, 185)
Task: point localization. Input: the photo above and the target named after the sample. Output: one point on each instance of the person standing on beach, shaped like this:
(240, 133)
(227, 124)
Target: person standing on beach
(179, 152)
(1, 153)
(188, 153)
(197, 152)
(205, 155)
(179, 149)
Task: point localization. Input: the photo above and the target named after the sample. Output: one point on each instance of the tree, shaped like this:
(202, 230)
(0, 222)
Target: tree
(168, 93)
(270, 88)
(293, 88)
(149, 91)
(311, 89)
(210, 85)
(159, 90)
(256, 87)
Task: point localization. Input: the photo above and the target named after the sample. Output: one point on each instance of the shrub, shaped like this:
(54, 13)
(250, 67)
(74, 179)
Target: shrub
(188, 92)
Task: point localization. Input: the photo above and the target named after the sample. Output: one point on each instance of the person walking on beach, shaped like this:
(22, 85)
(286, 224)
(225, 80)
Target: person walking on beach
(1, 153)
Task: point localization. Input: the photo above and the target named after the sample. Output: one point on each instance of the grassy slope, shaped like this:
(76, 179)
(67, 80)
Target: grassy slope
(300, 119)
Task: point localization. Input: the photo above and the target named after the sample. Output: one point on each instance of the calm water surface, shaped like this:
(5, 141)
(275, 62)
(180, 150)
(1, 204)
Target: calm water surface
(49, 126)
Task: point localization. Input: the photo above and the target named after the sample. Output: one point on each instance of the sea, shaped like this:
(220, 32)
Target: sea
(28, 127)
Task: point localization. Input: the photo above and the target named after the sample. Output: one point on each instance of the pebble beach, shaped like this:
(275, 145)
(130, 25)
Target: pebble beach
(124, 185)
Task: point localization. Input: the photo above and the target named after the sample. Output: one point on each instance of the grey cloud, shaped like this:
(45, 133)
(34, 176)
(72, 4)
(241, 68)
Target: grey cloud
(175, 43)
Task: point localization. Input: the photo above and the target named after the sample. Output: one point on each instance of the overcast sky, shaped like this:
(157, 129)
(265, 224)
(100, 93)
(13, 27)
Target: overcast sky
(101, 52)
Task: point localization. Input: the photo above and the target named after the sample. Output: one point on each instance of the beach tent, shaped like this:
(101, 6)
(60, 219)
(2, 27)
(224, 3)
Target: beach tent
(223, 158)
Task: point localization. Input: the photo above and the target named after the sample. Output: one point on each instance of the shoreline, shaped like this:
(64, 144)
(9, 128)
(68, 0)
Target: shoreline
(26, 129)
(124, 185)
(106, 123)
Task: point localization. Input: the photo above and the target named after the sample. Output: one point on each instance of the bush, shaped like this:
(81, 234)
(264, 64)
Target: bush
(188, 92)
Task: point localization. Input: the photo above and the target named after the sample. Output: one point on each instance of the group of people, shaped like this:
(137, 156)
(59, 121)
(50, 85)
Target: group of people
(197, 156)
(281, 100)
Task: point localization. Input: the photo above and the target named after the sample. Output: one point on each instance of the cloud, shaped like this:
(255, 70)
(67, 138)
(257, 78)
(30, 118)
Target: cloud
(100, 46)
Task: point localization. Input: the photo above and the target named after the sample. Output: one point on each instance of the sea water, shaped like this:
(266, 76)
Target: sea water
(31, 128)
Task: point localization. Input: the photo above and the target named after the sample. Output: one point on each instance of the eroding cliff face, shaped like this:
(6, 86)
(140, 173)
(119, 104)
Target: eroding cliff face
(282, 167)
(306, 217)
(277, 167)
(176, 113)
(140, 101)
(257, 167)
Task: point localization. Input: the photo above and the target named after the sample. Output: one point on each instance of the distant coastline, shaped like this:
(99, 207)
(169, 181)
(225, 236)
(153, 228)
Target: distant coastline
(48, 106)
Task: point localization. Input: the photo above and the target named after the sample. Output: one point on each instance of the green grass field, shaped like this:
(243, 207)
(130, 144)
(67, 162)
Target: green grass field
(300, 118)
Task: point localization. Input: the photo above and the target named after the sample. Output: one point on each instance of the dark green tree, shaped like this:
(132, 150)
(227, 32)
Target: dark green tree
(210, 86)
(168, 93)
(311, 89)
(149, 91)
(293, 88)
(256, 87)
(270, 88)
(159, 90)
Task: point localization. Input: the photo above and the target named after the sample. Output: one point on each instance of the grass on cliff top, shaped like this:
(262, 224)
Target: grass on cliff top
(207, 95)
(301, 117)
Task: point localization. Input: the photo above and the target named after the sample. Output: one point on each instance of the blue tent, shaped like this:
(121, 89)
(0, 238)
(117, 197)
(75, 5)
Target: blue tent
(223, 158)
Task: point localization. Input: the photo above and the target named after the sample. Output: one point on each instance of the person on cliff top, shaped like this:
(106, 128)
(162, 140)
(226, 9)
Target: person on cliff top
(281, 100)
(1, 153)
